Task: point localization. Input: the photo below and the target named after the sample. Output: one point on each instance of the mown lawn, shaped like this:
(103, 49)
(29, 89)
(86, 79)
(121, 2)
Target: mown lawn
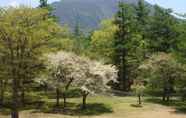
(107, 107)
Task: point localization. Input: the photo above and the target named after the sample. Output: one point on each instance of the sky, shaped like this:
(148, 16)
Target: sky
(32, 3)
(178, 6)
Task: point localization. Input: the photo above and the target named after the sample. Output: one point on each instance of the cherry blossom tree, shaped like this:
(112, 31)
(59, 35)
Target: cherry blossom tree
(68, 69)
(163, 71)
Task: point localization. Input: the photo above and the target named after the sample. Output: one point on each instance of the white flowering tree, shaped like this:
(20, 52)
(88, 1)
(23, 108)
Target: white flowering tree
(97, 79)
(63, 70)
(163, 71)
(68, 69)
(138, 89)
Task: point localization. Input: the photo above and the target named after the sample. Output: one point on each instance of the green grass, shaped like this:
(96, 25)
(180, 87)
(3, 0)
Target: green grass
(107, 106)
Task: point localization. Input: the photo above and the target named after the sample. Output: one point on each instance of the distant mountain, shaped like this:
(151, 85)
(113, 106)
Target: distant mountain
(87, 13)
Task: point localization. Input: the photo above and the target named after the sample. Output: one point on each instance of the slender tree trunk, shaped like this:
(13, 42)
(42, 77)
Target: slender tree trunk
(45, 88)
(163, 98)
(183, 98)
(168, 96)
(164, 94)
(15, 101)
(23, 97)
(84, 101)
(57, 97)
(139, 99)
(84, 104)
(123, 73)
(2, 93)
(64, 100)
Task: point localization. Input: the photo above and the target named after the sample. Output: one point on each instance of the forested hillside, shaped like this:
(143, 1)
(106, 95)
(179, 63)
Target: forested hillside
(87, 13)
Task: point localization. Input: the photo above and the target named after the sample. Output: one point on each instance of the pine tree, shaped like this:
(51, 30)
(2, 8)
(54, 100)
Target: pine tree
(142, 16)
(125, 21)
(163, 33)
(43, 3)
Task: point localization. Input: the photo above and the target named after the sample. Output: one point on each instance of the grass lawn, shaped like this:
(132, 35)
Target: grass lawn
(109, 107)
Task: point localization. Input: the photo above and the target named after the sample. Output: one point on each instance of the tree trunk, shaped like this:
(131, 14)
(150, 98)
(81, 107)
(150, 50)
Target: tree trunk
(183, 98)
(64, 100)
(163, 97)
(84, 105)
(164, 94)
(15, 101)
(45, 88)
(139, 99)
(123, 73)
(168, 96)
(57, 97)
(84, 102)
(2, 93)
(23, 97)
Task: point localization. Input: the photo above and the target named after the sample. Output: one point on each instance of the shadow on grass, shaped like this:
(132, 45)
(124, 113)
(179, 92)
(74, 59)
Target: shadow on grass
(136, 105)
(5, 109)
(177, 104)
(75, 109)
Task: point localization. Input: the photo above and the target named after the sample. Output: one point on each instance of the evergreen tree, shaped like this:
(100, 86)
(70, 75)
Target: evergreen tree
(125, 21)
(43, 3)
(77, 30)
(163, 33)
(142, 15)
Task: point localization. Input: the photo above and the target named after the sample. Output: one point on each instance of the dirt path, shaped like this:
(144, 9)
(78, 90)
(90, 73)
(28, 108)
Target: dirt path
(157, 112)
(161, 112)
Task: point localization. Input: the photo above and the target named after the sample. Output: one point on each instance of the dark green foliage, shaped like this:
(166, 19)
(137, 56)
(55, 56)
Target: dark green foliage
(142, 15)
(43, 3)
(142, 12)
(163, 32)
(125, 20)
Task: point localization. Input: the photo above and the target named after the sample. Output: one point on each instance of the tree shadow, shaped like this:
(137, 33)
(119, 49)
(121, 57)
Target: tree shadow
(94, 109)
(74, 109)
(136, 105)
(5, 109)
(180, 107)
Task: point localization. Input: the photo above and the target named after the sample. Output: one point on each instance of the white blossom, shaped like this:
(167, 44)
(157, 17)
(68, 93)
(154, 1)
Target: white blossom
(88, 75)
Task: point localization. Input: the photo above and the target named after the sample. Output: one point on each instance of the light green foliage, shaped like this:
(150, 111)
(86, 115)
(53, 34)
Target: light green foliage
(102, 41)
(24, 36)
(66, 44)
(25, 32)
(138, 89)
